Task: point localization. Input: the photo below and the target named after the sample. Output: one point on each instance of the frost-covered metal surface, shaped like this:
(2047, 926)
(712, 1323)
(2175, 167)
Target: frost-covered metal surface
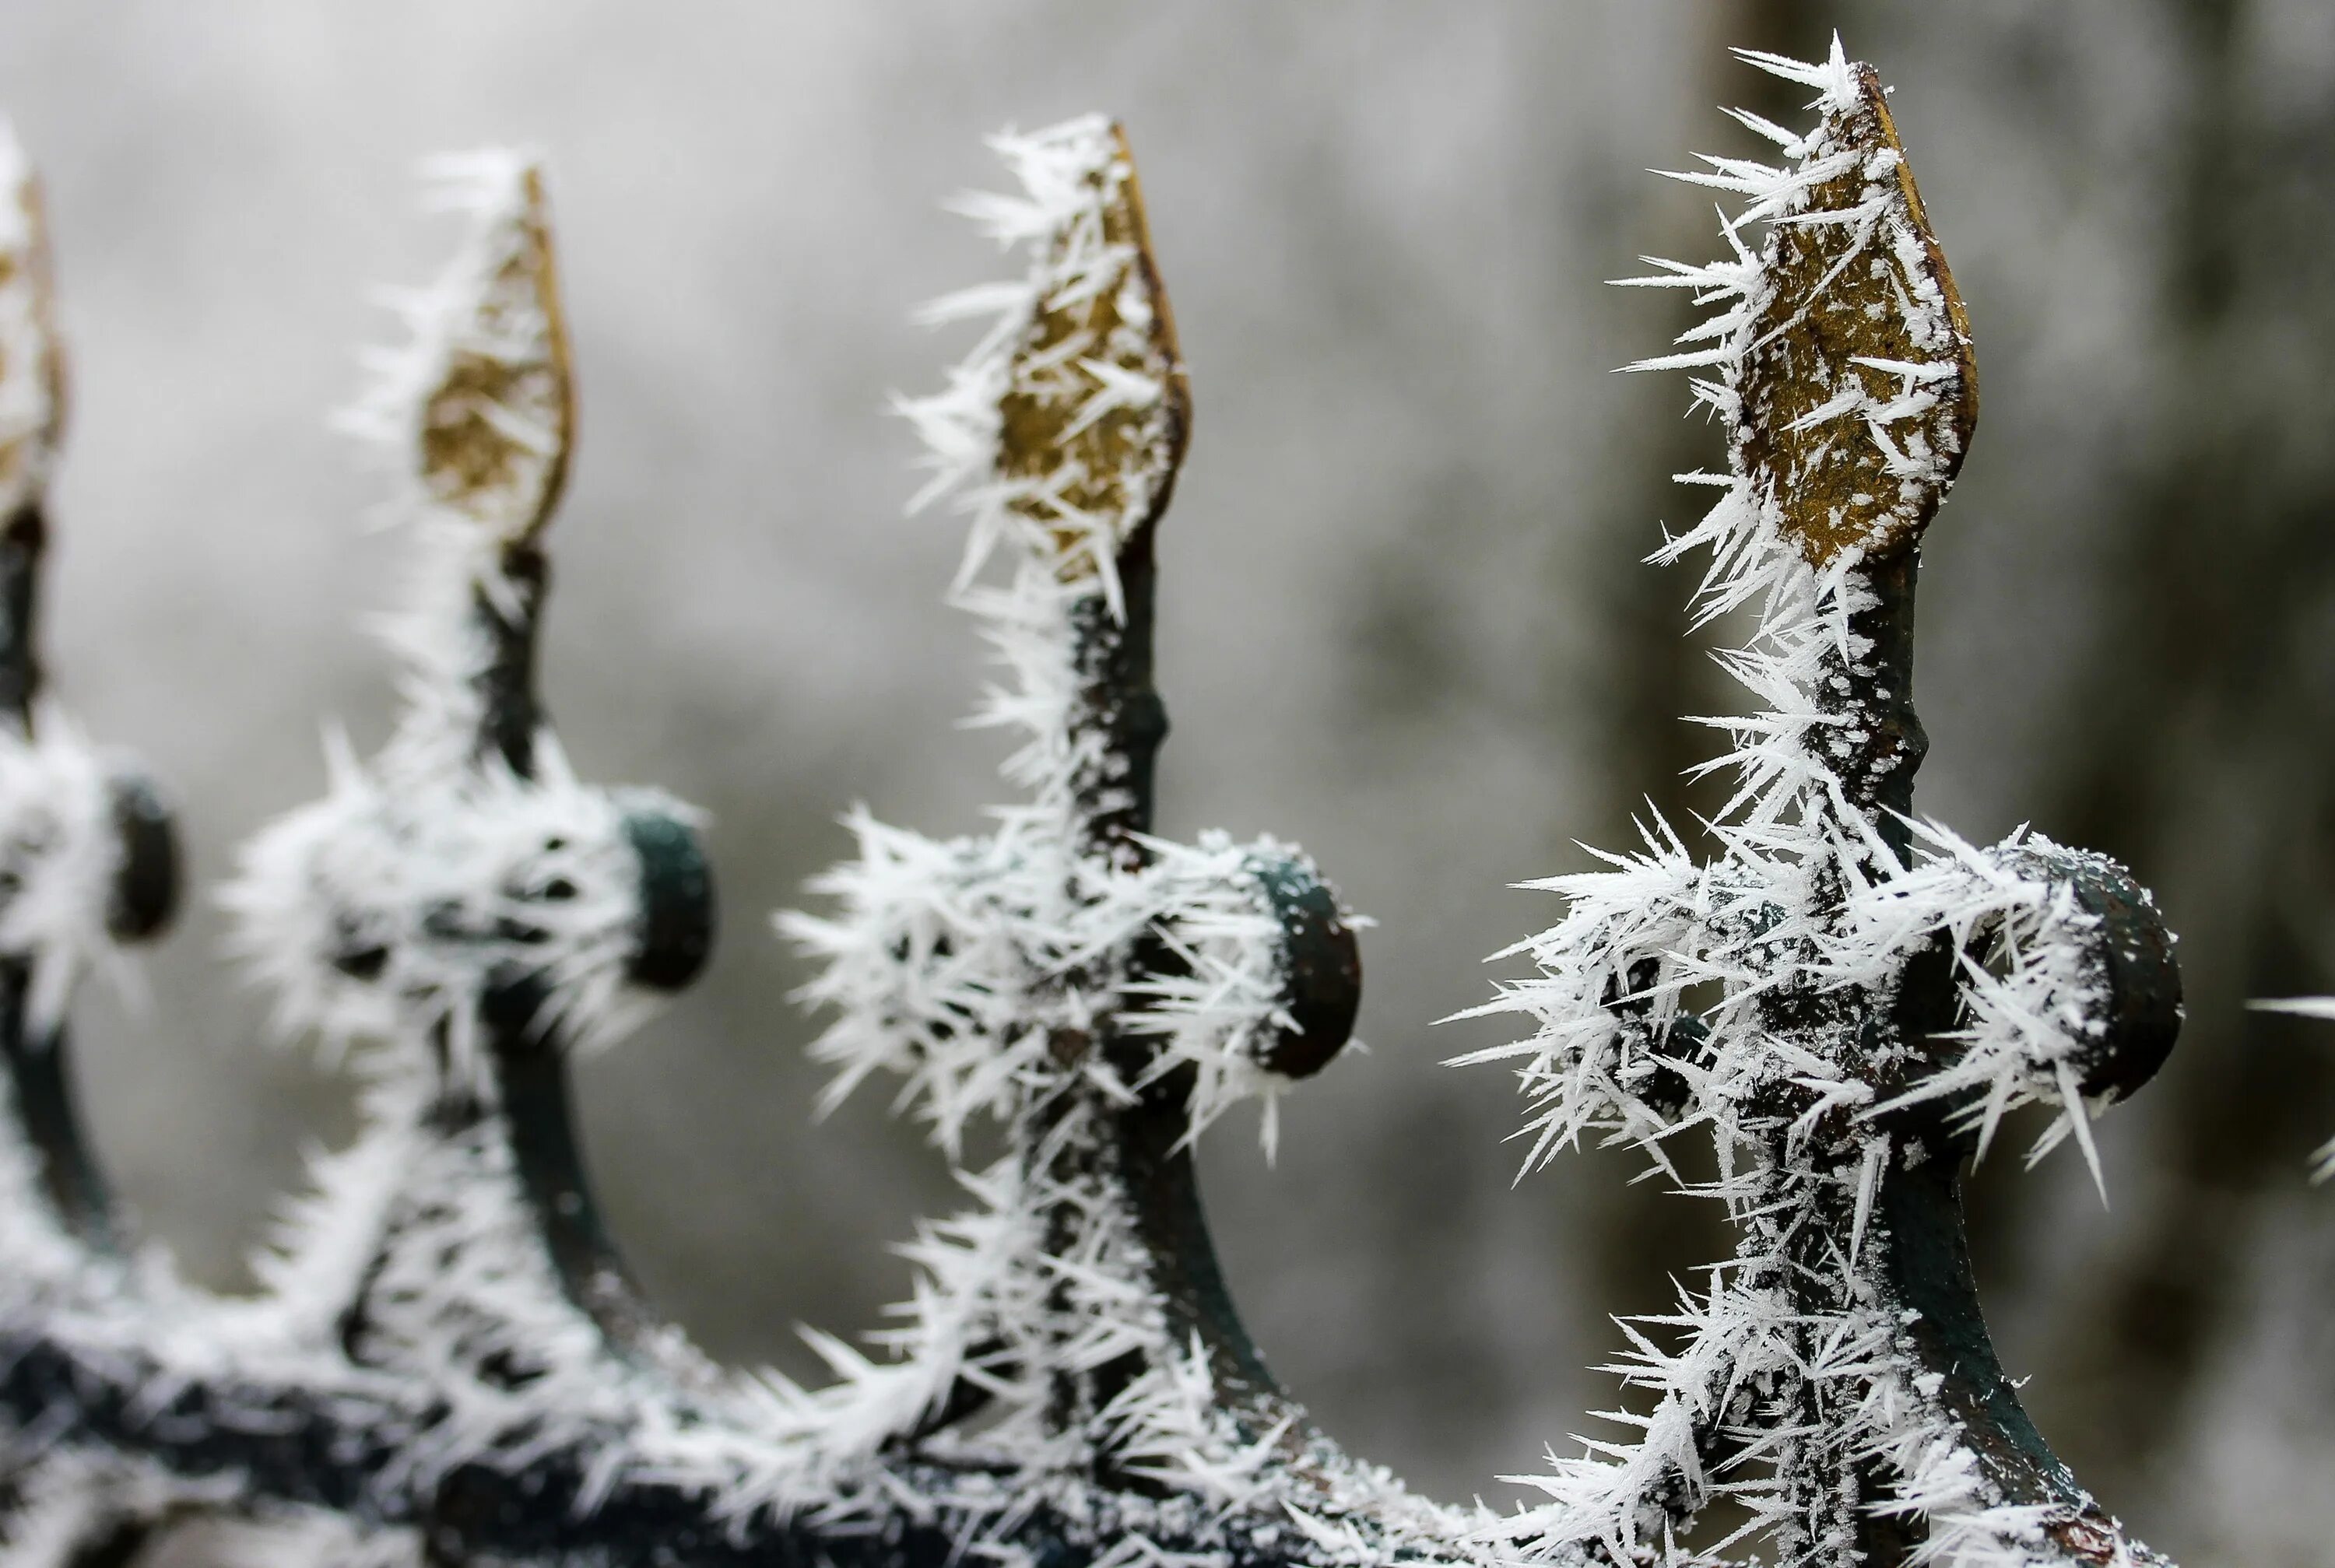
(1845, 1000)
(88, 863)
(447, 1362)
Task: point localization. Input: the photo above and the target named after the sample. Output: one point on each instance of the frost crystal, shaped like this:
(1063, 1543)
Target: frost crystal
(456, 901)
(85, 865)
(1845, 1002)
(1102, 993)
(2323, 1159)
(63, 801)
(388, 909)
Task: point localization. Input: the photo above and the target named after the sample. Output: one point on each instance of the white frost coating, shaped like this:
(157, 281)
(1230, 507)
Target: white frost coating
(63, 1501)
(2033, 990)
(314, 1540)
(1218, 1007)
(1793, 1346)
(383, 913)
(949, 963)
(425, 869)
(1041, 1341)
(59, 852)
(1072, 177)
(471, 414)
(949, 958)
(426, 890)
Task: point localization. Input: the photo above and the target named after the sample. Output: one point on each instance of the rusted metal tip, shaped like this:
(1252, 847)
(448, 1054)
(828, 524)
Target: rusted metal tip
(1859, 392)
(1092, 430)
(31, 359)
(497, 422)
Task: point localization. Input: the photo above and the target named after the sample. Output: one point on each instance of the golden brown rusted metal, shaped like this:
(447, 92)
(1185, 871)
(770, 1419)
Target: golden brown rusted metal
(1860, 286)
(507, 368)
(25, 452)
(1119, 466)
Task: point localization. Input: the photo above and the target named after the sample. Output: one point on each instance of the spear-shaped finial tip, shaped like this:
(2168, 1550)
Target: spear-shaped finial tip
(32, 360)
(1857, 386)
(1092, 420)
(483, 395)
(1061, 433)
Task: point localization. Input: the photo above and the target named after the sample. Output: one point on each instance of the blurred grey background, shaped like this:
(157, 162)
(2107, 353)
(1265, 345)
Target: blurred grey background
(1403, 620)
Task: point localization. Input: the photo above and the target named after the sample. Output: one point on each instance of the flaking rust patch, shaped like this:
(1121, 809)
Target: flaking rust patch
(1092, 426)
(1859, 390)
(495, 427)
(32, 360)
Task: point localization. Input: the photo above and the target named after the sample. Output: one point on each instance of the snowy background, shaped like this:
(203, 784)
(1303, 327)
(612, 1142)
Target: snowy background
(1401, 621)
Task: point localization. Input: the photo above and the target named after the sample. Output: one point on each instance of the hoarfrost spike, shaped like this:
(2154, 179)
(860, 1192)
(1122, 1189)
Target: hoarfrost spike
(88, 863)
(463, 912)
(1858, 388)
(1069, 423)
(2323, 1159)
(1093, 423)
(1102, 993)
(1846, 1000)
(447, 1365)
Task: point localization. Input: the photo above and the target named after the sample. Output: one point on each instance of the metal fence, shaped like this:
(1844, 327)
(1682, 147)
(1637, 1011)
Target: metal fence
(447, 1361)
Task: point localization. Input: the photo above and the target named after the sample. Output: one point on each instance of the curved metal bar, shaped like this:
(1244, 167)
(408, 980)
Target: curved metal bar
(528, 1058)
(347, 1451)
(144, 897)
(1924, 1260)
(532, 1085)
(1149, 1154)
(1921, 1252)
(79, 1195)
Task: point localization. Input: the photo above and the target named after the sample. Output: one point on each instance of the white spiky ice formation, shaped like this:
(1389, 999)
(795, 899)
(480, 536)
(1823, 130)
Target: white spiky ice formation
(383, 910)
(960, 964)
(58, 850)
(60, 845)
(978, 968)
(1794, 1349)
(471, 414)
(385, 914)
(948, 957)
(1075, 182)
(380, 912)
(59, 855)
